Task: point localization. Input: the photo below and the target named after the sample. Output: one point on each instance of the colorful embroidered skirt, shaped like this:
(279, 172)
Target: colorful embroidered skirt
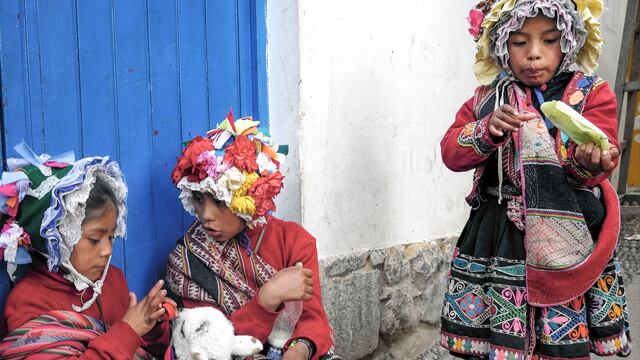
(486, 314)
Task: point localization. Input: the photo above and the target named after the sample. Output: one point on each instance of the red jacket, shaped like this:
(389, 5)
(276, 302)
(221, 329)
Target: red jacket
(467, 144)
(283, 245)
(41, 291)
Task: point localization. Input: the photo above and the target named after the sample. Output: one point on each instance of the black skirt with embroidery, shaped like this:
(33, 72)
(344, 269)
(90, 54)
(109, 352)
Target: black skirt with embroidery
(486, 314)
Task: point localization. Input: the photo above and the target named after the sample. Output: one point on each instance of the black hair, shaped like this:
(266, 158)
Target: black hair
(101, 193)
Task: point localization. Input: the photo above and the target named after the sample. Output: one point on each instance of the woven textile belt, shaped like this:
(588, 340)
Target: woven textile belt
(508, 191)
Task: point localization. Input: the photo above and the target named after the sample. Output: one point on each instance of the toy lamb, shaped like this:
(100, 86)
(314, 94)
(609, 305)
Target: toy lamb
(204, 333)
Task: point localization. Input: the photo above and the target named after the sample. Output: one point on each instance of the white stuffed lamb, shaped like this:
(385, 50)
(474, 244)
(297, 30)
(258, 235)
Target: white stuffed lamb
(204, 333)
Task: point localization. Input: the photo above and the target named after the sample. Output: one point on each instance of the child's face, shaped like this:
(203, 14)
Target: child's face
(91, 254)
(219, 222)
(534, 51)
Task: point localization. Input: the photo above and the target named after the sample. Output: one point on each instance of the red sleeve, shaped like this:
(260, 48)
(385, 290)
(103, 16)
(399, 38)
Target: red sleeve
(600, 109)
(254, 320)
(313, 323)
(468, 143)
(157, 340)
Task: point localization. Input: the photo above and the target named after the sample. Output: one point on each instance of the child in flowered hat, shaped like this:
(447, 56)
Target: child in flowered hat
(236, 256)
(59, 218)
(534, 273)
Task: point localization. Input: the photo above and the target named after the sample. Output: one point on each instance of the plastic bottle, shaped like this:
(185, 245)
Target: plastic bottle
(284, 325)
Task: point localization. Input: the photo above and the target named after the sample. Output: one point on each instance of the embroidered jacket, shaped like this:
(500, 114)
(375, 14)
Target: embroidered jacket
(468, 145)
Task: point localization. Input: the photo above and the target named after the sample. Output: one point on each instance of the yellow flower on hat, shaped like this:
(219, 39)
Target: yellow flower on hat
(240, 202)
(243, 205)
(588, 56)
(248, 182)
(596, 7)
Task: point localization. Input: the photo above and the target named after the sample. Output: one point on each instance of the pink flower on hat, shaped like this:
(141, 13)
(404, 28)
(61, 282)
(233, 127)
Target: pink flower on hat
(475, 22)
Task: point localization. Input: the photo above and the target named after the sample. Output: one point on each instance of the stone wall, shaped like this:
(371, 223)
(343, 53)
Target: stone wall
(385, 303)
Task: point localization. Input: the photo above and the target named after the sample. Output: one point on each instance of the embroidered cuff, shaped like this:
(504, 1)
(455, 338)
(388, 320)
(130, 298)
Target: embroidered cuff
(310, 345)
(578, 171)
(476, 135)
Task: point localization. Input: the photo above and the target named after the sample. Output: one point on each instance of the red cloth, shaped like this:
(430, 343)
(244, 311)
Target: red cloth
(41, 291)
(283, 245)
(600, 109)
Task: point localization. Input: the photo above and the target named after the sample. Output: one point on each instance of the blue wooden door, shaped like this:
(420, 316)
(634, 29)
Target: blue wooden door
(132, 79)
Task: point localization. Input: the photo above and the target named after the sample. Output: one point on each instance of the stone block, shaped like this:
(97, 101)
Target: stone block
(353, 308)
(398, 314)
(377, 257)
(340, 265)
(428, 262)
(396, 266)
(429, 304)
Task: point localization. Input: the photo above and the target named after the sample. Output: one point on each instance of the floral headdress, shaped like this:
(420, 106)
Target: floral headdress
(491, 21)
(42, 206)
(235, 163)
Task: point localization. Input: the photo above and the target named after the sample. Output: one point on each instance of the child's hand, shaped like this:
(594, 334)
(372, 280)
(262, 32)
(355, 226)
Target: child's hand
(143, 315)
(593, 159)
(294, 283)
(507, 118)
(298, 352)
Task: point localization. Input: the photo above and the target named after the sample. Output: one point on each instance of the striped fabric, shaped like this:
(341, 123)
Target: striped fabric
(55, 334)
(214, 272)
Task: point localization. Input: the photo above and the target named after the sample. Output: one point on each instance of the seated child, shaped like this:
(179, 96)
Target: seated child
(236, 256)
(70, 303)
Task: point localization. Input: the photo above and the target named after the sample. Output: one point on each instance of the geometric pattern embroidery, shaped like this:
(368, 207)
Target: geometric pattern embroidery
(510, 315)
(467, 305)
(608, 301)
(563, 322)
(549, 234)
(612, 346)
(464, 345)
(486, 314)
(474, 134)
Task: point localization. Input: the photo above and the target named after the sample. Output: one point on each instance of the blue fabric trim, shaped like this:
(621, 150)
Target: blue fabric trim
(565, 137)
(245, 242)
(541, 101)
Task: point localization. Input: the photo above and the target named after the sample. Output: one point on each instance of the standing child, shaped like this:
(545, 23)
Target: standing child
(236, 257)
(533, 274)
(61, 216)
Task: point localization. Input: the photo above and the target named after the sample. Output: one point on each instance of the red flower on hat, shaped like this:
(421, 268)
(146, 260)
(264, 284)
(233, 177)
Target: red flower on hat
(188, 164)
(476, 16)
(264, 190)
(242, 154)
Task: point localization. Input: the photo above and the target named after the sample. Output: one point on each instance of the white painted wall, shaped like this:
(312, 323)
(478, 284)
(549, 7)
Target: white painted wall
(380, 83)
(284, 75)
(363, 91)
